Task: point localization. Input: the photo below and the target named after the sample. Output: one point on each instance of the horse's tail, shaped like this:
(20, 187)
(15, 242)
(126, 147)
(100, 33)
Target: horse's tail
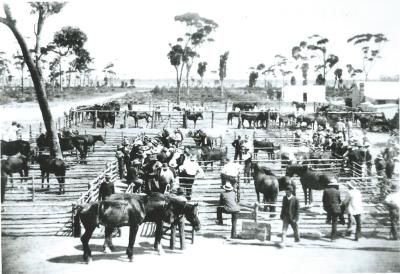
(76, 225)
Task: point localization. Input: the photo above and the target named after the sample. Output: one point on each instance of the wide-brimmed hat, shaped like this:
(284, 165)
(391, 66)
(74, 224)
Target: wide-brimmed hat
(108, 175)
(379, 156)
(228, 186)
(173, 165)
(136, 162)
(366, 144)
(289, 188)
(164, 149)
(180, 191)
(193, 158)
(333, 182)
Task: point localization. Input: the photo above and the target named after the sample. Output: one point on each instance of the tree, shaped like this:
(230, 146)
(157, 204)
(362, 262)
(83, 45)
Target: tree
(176, 57)
(301, 56)
(282, 64)
(108, 79)
(199, 30)
(327, 61)
(20, 64)
(43, 10)
(201, 69)
(371, 45)
(338, 77)
(4, 68)
(10, 22)
(253, 79)
(68, 42)
(222, 69)
(304, 71)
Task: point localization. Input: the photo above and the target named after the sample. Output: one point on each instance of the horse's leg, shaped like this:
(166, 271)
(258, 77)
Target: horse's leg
(258, 196)
(108, 239)
(12, 180)
(273, 201)
(42, 172)
(48, 179)
(87, 253)
(157, 240)
(132, 237)
(310, 196)
(305, 194)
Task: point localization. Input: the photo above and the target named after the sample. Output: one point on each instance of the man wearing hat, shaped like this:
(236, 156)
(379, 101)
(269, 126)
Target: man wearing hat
(120, 159)
(392, 203)
(150, 171)
(368, 158)
(290, 214)
(106, 188)
(188, 171)
(340, 128)
(237, 144)
(331, 203)
(227, 204)
(230, 172)
(179, 195)
(133, 175)
(353, 207)
(166, 178)
(247, 157)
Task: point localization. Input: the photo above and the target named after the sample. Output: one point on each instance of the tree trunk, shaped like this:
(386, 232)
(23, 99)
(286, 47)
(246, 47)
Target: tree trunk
(222, 87)
(36, 79)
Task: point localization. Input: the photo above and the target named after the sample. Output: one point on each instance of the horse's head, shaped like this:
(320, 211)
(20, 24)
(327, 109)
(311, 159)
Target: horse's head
(191, 214)
(101, 138)
(200, 115)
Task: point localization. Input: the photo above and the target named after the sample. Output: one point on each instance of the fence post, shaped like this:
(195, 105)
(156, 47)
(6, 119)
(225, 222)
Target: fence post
(30, 132)
(169, 119)
(59, 122)
(212, 119)
(268, 119)
(238, 188)
(168, 106)
(95, 119)
(226, 105)
(184, 120)
(152, 119)
(256, 212)
(125, 117)
(115, 114)
(240, 119)
(105, 135)
(33, 188)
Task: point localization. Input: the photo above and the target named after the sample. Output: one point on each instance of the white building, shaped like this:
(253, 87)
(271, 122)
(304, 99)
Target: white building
(308, 93)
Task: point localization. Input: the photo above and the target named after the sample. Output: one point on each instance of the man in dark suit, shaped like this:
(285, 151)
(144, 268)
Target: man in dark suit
(290, 215)
(228, 204)
(106, 188)
(331, 203)
(237, 144)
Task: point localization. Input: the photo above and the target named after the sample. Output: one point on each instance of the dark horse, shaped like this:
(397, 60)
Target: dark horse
(89, 140)
(17, 163)
(13, 147)
(194, 116)
(140, 115)
(267, 185)
(231, 115)
(51, 165)
(309, 179)
(132, 210)
(299, 105)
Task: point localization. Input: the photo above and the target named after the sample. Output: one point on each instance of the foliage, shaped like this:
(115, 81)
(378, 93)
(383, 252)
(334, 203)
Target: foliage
(304, 70)
(222, 65)
(370, 45)
(201, 69)
(253, 79)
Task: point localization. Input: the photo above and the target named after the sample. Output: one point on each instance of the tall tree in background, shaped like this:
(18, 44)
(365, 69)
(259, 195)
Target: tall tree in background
(300, 55)
(319, 44)
(199, 30)
(68, 42)
(20, 64)
(176, 57)
(108, 79)
(201, 69)
(222, 70)
(4, 68)
(371, 46)
(10, 22)
(282, 64)
(43, 10)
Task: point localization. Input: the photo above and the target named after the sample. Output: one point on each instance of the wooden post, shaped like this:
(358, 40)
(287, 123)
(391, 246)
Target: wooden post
(105, 135)
(256, 212)
(268, 119)
(59, 122)
(240, 119)
(33, 188)
(169, 119)
(115, 114)
(238, 188)
(212, 119)
(40, 127)
(95, 119)
(184, 120)
(152, 119)
(226, 105)
(30, 132)
(168, 106)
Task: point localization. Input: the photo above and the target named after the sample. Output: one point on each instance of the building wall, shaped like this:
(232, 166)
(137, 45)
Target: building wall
(298, 93)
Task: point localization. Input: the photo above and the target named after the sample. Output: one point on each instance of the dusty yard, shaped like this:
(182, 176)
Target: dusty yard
(64, 255)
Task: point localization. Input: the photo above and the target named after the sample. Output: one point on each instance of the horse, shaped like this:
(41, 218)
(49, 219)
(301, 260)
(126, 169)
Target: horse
(14, 147)
(89, 140)
(243, 106)
(17, 163)
(299, 105)
(283, 181)
(309, 179)
(140, 115)
(268, 185)
(216, 154)
(132, 210)
(66, 143)
(213, 134)
(250, 117)
(263, 145)
(194, 116)
(51, 165)
(231, 115)
(107, 116)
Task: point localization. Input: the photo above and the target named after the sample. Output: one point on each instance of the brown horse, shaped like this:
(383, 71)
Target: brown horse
(131, 210)
(268, 185)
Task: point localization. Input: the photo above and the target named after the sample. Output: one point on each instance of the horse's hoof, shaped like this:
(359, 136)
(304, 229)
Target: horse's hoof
(130, 259)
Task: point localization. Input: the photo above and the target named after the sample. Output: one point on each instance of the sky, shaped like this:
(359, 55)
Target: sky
(134, 35)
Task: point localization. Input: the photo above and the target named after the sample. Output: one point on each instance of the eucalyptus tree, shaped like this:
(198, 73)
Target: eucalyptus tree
(201, 69)
(176, 57)
(222, 70)
(283, 66)
(109, 72)
(199, 30)
(4, 67)
(10, 22)
(371, 46)
(69, 42)
(318, 44)
(338, 77)
(20, 65)
(301, 54)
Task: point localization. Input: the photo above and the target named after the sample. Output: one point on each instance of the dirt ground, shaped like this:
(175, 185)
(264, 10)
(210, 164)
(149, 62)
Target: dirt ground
(64, 255)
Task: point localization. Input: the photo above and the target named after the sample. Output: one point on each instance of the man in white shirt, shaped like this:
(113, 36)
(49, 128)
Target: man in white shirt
(187, 173)
(353, 207)
(230, 172)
